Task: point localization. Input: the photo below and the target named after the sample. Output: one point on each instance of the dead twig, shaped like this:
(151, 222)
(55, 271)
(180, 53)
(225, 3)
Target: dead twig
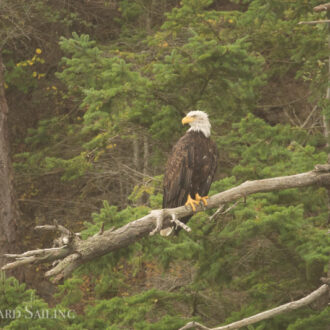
(221, 212)
(321, 21)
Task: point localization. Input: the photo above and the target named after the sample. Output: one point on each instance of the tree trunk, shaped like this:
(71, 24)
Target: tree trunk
(326, 118)
(8, 204)
(145, 155)
(136, 153)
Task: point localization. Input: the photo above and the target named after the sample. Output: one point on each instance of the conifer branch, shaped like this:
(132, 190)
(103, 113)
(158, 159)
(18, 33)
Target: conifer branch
(72, 251)
(266, 314)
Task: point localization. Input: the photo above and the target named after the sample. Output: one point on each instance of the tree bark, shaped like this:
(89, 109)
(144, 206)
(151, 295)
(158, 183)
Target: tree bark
(8, 203)
(326, 117)
(75, 251)
(136, 153)
(145, 155)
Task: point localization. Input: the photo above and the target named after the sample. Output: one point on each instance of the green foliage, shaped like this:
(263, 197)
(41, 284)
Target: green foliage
(119, 89)
(20, 308)
(12, 294)
(74, 167)
(314, 321)
(149, 188)
(261, 150)
(130, 10)
(111, 217)
(197, 66)
(70, 292)
(132, 312)
(21, 75)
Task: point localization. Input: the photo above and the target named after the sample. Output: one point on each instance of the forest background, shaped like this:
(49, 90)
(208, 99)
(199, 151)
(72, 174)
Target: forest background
(96, 91)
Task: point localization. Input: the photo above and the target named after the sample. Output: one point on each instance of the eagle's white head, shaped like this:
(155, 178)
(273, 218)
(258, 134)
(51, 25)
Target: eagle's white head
(198, 121)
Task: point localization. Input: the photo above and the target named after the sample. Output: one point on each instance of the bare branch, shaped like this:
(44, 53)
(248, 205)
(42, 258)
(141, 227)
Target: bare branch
(36, 257)
(220, 210)
(19, 262)
(180, 224)
(325, 280)
(194, 325)
(59, 228)
(65, 267)
(266, 314)
(101, 231)
(77, 251)
(39, 252)
(323, 7)
(309, 117)
(321, 21)
(217, 212)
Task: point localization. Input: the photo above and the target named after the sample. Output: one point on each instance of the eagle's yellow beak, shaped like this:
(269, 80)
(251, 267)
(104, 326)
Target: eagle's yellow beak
(187, 120)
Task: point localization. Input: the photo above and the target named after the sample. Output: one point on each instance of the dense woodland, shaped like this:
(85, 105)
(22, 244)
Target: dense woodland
(96, 90)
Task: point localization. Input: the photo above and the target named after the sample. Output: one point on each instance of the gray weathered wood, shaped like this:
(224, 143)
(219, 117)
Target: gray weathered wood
(78, 251)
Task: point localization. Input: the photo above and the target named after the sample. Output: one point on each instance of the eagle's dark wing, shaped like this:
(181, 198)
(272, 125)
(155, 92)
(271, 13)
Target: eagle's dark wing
(179, 173)
(209, 168)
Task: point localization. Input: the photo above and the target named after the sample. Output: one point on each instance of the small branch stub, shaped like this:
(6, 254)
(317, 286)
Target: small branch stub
(101, 231)
(324, 168)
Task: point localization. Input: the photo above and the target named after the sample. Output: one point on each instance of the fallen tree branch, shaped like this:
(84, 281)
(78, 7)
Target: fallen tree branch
(266, 314)
(36, 257)
(74, 251)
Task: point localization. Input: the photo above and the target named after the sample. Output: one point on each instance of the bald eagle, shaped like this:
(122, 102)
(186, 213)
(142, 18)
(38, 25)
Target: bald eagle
(191, 166)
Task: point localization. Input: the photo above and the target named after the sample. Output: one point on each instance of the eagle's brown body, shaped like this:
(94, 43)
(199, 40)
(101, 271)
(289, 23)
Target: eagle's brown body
(189, 170)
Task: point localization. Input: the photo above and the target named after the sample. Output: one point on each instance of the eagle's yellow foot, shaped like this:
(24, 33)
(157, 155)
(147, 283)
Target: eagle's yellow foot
(203, 199)
(191, 202)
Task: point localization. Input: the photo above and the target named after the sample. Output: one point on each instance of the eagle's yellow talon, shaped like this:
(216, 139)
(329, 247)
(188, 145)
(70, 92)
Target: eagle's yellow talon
(191, 202)
(200, 198)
